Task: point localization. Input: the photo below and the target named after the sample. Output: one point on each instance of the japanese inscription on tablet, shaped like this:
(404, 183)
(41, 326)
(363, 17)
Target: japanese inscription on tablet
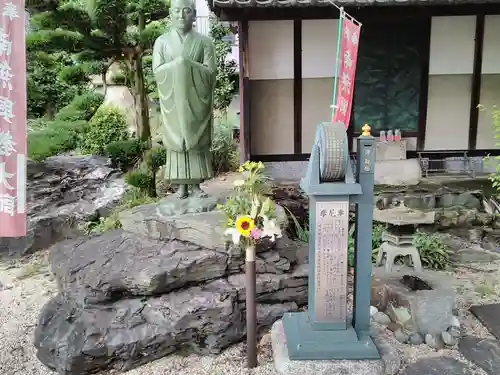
(331, 235)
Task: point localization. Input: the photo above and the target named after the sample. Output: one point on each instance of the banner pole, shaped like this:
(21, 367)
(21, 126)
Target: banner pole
(336, 78)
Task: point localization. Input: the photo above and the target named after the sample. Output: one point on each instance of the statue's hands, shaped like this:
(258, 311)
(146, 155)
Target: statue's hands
(181, 58)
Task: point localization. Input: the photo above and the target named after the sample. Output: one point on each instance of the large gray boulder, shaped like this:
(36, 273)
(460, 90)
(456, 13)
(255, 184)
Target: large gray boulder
(127, 299)
(130, 332)
(118, 263)
(193, 219)
(64, 192)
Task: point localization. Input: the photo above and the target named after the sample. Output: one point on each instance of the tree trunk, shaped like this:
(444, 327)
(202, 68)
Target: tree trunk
(104, 83)
(141, 102)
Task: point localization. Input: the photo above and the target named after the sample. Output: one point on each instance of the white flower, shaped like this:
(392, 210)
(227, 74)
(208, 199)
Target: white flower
(233, 232)
(270, 229)
(239, 183)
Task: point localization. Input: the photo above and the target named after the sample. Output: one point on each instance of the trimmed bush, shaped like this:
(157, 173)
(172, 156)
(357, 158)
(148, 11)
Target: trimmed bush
(125, 154)
(54, 137)
(155, 158)
(143, 180)
(82, 107)
(107, 125)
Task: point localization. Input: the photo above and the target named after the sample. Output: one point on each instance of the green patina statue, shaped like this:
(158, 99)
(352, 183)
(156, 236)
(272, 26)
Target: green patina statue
(184, 66)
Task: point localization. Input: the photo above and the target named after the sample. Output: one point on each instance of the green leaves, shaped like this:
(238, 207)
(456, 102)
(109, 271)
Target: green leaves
(227, 76)
(48, 87)
(67, 17)
(54, 41)
(433, 251)
(110, 17)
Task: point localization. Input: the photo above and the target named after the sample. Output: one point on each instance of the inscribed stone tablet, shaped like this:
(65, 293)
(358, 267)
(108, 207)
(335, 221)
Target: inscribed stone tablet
(332, 227)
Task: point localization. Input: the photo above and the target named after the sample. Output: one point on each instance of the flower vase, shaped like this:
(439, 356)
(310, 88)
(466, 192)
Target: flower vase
(251, 307)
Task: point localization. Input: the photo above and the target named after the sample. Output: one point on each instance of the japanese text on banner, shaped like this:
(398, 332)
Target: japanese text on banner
(347, 71)
(12, 119)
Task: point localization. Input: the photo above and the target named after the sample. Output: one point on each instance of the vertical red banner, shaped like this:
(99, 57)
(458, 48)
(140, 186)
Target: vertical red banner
(12, 119)
(347, 71)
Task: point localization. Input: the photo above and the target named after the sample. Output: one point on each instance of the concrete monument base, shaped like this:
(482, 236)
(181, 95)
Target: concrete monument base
(306, 342)
(389, 363)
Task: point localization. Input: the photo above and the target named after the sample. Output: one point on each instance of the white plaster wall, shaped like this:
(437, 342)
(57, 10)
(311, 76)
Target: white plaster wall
(316, 101)
(490, 97)
(202, 9)
(448, 110)
(451, 64)
(271, 117)
(452, 45)
(270, 48)
(491, 45)
(319, 48)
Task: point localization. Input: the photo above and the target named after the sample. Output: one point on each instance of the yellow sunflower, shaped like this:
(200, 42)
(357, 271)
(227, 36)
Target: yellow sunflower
(245, 224)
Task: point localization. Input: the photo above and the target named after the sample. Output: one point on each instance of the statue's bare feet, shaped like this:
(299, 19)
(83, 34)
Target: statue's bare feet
(198, 192)
(182, 192)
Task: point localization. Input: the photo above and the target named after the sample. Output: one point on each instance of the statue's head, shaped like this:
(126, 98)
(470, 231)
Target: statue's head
(183, 13)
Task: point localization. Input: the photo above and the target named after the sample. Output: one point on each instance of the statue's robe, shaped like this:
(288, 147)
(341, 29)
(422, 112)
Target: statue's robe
(186, 91)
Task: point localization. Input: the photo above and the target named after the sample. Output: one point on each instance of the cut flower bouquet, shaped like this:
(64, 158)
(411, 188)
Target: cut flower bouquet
(250, 212)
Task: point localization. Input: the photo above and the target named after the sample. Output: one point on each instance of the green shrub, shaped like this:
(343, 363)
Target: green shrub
(120, 78)
(225, 150)
(433, 251)
(82, 107)
(107, 125)
(125, 154)
(155, 158)
(53, 138)
(143, 180)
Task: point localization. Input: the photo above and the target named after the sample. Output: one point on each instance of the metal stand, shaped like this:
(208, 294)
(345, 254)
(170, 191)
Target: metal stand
(326, 332)
(251, 308)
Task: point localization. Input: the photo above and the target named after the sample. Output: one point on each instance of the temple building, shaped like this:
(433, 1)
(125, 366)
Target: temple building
(424, 67)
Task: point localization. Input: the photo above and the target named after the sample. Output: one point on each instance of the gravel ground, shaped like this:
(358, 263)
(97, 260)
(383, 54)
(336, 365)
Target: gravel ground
(25, 286)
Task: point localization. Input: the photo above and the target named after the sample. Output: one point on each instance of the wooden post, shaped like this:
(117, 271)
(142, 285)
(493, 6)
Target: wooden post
(251, 308)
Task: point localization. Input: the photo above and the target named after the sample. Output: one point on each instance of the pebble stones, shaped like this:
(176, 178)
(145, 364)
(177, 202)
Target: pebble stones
(381, 318)
(455, 322)
(416, 338)
(448, 339)
(456, 332)
(435, 341)
(401, 336)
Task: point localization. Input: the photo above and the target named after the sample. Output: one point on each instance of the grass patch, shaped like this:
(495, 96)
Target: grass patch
(484, 290)
(54, 137)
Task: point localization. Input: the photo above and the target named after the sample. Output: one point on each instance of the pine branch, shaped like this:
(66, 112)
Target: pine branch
(66, 17)
(54, 40)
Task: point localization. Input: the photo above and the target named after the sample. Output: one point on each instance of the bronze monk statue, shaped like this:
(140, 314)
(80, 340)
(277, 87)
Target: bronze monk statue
(185, 70)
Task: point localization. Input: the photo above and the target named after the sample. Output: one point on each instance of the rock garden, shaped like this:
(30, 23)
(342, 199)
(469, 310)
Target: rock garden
(161, 281)
(117, 275)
